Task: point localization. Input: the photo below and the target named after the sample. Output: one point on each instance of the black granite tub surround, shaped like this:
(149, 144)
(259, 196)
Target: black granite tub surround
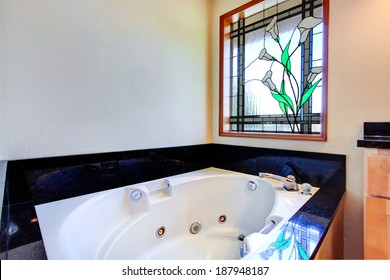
(36, 181)
(376, 135)
(318, 169)
(49, 179)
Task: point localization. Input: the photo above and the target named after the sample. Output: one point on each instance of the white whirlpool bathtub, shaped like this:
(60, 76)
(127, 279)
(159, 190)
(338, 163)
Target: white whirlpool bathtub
(198, 215)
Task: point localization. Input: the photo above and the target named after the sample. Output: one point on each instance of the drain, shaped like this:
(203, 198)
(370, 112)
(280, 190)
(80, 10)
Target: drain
(195, 228)
(222, 219)
(160, 231)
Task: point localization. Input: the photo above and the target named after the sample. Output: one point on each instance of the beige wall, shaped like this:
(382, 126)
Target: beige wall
(102, 75)
(358, 83)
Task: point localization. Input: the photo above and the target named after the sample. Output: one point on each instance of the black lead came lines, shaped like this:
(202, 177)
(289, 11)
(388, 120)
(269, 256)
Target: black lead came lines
(235, 270)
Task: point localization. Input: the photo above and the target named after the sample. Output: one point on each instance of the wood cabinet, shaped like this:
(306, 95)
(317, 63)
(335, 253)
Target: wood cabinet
(332, 248)
(377, 206)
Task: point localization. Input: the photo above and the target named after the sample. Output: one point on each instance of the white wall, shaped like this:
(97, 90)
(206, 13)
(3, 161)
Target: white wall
(102, 75)
(358, 83)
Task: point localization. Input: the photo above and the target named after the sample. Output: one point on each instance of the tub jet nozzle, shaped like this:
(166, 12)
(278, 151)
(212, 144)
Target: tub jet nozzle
(195, 228)
(252, 186)
(136, 195)
(241, 237)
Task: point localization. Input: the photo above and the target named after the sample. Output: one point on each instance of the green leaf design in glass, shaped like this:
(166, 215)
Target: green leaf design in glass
(282, 88)
(286, 58)
(306, 95)
(302, 253)
(292, 95)
(281, 244)
(283, 107)
(285, 101)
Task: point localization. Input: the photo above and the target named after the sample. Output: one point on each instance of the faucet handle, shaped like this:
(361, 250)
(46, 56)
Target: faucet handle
(264, 175)
(291, 178)
(292, 183)
(306, 187)
(288, 182)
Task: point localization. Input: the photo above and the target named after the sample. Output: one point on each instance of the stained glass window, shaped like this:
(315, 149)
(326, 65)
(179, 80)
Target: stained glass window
(273, 70)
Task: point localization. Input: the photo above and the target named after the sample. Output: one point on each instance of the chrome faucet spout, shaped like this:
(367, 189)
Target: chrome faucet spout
(288, 182)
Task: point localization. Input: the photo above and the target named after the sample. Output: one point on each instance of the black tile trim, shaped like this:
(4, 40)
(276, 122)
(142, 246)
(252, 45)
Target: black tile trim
(376, 135)
(30, 182)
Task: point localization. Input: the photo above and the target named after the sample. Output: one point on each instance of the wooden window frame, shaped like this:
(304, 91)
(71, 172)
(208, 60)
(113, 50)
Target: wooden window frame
(224, 69)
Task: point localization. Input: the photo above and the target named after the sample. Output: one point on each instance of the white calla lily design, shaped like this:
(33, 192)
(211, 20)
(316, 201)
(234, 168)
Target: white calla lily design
(313, 74)
(267, 81)
(264, 55)
(306, 25)
(290, 96)
(272, 28)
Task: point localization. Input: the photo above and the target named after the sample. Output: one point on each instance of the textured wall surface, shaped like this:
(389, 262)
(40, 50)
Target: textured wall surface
(96, 76)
